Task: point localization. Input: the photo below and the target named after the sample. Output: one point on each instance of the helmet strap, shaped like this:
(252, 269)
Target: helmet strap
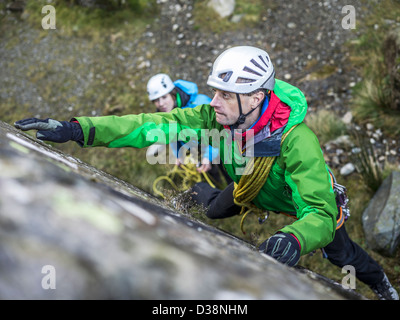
(242, 116)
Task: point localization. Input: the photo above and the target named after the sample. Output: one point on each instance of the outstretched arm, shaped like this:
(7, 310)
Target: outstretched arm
(142, 130)
(139, 130)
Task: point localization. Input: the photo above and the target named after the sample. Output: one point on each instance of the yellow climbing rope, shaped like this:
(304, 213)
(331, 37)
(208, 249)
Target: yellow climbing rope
(186, 174)
(251, 183)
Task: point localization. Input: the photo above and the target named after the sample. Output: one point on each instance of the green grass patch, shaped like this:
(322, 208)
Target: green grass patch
(80, 21)
(326, 125)
(376, 55)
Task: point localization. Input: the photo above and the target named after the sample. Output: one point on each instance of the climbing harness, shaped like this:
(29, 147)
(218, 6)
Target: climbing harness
(251, 183)
(186, 174)
(342, 204)
(342, 201)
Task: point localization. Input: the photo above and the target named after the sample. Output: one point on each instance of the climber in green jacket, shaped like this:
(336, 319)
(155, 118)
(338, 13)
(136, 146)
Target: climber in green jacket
(274, 159)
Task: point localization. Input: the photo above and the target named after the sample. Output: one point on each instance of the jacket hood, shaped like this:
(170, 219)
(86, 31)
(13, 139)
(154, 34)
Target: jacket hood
(188, 87)
(295, 99)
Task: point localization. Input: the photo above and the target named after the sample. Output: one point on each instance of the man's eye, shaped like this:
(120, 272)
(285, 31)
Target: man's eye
(226, 95)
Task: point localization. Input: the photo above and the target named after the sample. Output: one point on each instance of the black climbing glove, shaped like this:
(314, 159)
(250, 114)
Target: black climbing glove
(52, 130)
(284, 247)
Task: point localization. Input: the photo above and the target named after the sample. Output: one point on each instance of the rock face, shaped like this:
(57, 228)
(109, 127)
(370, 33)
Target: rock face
(381, 219)
(70, 231)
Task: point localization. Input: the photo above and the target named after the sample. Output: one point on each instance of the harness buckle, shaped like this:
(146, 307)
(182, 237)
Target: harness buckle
(341, 199)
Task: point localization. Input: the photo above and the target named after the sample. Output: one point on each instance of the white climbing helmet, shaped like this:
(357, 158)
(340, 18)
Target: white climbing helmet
(242, 69)
(159, 85)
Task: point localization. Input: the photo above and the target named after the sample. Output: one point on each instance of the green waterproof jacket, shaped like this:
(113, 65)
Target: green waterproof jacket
(298, 183)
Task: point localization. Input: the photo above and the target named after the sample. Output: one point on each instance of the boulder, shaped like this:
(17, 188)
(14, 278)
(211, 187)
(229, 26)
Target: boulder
(381, 219)
(70, 231)
(224, 8)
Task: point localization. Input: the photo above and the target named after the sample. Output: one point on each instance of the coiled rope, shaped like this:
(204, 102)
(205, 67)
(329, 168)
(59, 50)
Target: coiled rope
(186, 173)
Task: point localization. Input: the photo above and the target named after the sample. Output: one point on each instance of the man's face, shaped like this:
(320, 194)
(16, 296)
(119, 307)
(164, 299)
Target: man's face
(165, 103)
(226, 106)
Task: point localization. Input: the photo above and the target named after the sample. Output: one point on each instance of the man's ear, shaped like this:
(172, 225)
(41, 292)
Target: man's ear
(257, 98)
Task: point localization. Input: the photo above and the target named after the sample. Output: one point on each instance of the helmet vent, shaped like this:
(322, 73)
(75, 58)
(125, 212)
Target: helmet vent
(261, 58)
(244, 80)
(257, 65)
(225, 76)
(252, 71)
